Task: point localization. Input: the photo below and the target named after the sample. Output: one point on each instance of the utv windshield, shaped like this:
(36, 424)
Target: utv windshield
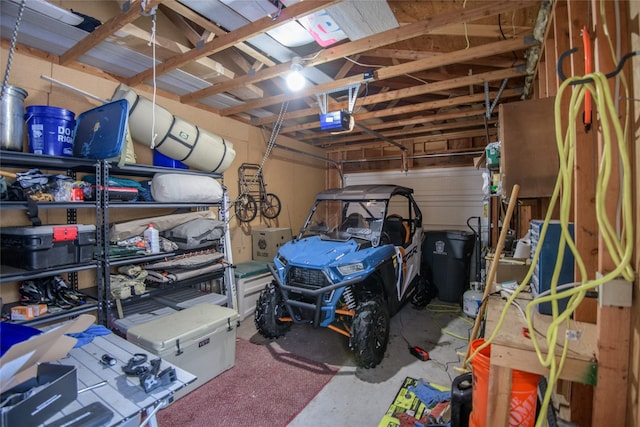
(344, 220)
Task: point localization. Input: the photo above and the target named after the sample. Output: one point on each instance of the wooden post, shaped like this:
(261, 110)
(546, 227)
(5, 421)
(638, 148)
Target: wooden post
(614, 323)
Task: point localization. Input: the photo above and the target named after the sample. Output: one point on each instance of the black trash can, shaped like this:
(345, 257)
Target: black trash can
(447, 255)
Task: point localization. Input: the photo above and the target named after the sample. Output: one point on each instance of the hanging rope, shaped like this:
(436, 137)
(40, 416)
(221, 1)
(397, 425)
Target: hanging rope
(270, 146)
(14, 37)
(152, 44)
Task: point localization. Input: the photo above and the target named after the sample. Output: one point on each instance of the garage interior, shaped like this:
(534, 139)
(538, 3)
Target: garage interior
(466, 102)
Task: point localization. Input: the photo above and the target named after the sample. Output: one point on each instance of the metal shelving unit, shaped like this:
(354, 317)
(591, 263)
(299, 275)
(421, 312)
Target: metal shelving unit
(99, 296)
(136, 302)
(9, 274)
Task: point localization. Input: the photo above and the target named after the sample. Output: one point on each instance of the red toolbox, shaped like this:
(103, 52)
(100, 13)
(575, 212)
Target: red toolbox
(47, 246)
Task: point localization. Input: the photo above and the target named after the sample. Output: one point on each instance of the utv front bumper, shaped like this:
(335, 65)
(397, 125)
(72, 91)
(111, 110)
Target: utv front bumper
(300, 298)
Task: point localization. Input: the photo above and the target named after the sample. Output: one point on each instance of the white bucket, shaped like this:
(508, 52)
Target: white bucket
(176, 138)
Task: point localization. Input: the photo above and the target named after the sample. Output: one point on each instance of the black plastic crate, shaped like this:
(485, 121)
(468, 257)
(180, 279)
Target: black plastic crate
(47, 246)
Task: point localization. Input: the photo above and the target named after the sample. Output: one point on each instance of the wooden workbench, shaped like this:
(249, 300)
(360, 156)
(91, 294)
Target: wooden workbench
(511, 349)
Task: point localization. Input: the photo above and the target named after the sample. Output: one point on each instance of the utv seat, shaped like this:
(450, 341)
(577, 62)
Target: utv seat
(397, 230)
(354, 220)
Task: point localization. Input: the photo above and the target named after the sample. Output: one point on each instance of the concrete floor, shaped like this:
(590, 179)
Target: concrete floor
(360, 397)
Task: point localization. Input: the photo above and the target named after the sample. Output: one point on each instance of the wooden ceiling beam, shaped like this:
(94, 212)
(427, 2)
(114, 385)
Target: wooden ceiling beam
(214, 68)
(469, 112)
(413, 91)
(480, 30)
(416, 130)
(386, 147)
(106, 30)
(192, 16)
(389, 72)
(394, 35)
(481, 51)
(413, 55)
(460, 100)
(232, 38)
(419, 120)
(196, 39)
(416, 140)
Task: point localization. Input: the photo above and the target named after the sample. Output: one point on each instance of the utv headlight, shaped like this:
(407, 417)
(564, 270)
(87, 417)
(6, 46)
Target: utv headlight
(282, 260)
(348, 269)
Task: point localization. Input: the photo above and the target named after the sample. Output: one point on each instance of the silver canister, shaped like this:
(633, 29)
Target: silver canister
(12, 118)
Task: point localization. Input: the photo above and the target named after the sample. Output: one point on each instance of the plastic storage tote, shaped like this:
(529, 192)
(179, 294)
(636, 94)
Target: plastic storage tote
(47, 246)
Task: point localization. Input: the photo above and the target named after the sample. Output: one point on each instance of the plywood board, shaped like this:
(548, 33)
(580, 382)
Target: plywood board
(529, 156)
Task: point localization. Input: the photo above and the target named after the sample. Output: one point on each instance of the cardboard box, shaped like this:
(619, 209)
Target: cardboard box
(510, 269)
(40, 309)
(24, 367)
(28, 312)
(267, 241)
(20, 363)
(199, 339)
(22, 312)
(54, 387)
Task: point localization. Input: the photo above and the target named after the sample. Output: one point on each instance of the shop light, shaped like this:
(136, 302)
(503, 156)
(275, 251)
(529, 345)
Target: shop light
(295, 79)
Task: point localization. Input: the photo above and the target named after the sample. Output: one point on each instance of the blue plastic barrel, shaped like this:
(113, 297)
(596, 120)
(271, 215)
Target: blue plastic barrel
(160, 159)
(50, 130)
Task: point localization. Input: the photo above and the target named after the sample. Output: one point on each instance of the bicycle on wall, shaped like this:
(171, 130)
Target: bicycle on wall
(253, 194)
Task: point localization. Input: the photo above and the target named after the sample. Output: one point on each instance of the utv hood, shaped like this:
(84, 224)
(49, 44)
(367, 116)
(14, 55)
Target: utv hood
(314, 252)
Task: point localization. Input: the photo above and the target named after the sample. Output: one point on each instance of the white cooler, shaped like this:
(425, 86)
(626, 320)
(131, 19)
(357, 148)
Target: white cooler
(200, 339)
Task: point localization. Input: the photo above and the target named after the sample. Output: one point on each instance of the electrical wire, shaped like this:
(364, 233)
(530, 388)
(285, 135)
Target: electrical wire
(618, 241)
(361, 64)
(515, 57)
(440, 309)
(466, 33)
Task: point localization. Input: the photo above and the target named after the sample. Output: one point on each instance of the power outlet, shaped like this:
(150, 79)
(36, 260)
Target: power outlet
(615, 293)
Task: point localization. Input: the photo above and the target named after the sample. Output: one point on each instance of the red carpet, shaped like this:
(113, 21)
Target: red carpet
(266, 387)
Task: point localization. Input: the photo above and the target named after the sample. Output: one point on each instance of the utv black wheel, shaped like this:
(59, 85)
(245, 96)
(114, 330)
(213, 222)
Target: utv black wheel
(370, 333)
(269, 309)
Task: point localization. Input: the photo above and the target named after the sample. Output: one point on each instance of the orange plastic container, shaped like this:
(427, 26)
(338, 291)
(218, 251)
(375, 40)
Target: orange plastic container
(524, 386)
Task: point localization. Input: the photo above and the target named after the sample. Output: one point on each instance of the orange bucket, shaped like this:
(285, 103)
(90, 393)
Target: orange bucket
(524, 386)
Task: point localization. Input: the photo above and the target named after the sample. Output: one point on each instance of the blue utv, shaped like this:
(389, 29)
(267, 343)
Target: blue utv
(355, 262)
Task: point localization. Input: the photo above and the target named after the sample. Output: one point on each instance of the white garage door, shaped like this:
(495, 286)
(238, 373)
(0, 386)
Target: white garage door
(447, 196)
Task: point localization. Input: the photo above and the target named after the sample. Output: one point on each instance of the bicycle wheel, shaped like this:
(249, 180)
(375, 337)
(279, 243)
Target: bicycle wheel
(270, 206)
(246, 208)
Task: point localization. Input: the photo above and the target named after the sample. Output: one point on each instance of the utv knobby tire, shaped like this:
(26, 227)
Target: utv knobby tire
(370, 333)
(269, 309)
